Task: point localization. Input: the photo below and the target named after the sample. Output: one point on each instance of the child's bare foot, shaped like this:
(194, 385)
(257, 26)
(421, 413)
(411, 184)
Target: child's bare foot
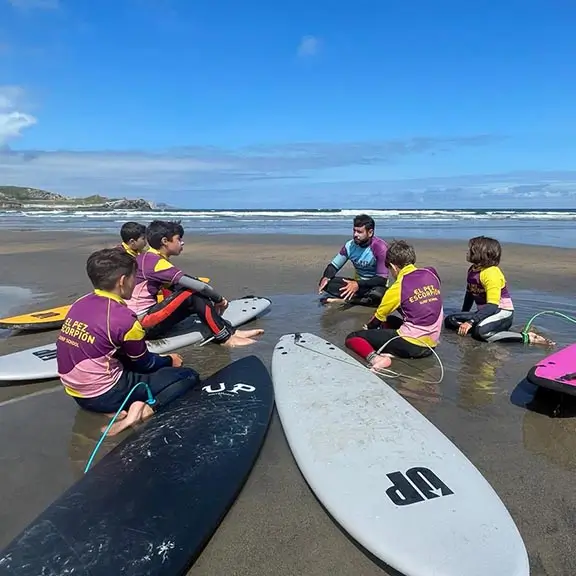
(332, 300)
(138, 411)
(534, 338)
(249, 333)
(235, 341)
(121, 415)
(381, 362)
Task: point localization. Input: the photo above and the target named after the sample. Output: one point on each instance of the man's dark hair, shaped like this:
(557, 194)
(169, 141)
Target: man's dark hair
(105, 267)
(364, 221)
(484, 251)
(159, 229)
(400, 253)
(132, 231)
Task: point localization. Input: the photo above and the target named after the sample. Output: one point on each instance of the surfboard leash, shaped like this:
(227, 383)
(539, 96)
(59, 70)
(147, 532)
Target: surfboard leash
(551, 313)
(384, 372)
(393, 374)
(150, 401)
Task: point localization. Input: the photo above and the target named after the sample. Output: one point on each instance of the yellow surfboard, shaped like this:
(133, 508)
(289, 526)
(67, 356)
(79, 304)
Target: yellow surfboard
(49, 319)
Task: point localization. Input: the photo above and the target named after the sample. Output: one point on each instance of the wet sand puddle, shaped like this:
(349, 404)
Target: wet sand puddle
(528, 456)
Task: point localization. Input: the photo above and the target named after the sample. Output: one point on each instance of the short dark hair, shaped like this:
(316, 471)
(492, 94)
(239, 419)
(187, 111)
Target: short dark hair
(158, 229)
(484, 251)
(132, 231)
(105, 267)
(400, 253)
(364, 221)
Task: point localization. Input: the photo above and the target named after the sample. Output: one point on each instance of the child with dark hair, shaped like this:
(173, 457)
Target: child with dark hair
(187, 296)
(101, 351)
(133, 237)
(486, 287)
(416, 295)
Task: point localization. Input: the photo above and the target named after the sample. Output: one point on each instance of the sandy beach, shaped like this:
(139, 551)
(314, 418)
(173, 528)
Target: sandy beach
(276, 526)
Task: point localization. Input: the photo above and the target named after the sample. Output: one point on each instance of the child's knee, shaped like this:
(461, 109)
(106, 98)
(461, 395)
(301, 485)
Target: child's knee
(477, 333)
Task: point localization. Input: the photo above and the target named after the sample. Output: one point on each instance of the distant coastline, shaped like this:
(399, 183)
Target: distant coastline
(20, 197)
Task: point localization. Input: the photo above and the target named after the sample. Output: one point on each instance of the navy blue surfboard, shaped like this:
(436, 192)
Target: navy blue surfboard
(150, 505)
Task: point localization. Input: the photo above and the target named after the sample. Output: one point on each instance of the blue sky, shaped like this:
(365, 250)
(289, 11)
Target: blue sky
(318, 103)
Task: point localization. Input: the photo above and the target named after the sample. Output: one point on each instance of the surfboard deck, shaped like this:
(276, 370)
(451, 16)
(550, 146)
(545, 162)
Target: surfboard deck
(152, 503)
(48, 319)
(557, 371)
(384, 472)
(40, 363)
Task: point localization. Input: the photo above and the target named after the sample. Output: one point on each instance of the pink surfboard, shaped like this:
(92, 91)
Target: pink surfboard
(557, 371)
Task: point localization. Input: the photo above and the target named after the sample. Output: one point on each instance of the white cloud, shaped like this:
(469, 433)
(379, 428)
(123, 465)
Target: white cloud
(309, 46)
(36, 4)
(274, 177)
(12, 119)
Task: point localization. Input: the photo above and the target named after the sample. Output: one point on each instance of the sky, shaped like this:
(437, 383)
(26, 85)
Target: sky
(301, 104)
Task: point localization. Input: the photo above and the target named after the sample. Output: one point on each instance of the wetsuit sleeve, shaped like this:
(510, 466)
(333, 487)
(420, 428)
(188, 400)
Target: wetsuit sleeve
(133, 345)
(390, 302)
(200, 287)
(492, 280)
(336, 263)
(468, 301)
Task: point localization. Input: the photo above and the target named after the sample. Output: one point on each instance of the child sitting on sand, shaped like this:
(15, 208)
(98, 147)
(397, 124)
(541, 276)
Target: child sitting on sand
(416, 294)
(101, 352)
(487, 288)
(187, 295)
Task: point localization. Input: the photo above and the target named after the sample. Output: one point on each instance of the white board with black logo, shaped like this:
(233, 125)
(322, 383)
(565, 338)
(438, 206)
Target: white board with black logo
(384, 472)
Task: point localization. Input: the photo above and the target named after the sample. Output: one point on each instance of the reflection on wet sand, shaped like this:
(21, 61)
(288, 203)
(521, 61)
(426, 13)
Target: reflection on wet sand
(478, 372)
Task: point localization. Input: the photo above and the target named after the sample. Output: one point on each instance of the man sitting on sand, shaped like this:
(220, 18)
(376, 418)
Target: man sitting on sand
(133, 237)
(368, 255)
(101, 351)
(416, 294)
(188, 295)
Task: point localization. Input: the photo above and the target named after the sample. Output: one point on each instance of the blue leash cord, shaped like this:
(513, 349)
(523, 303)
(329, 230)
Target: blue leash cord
(151, 401)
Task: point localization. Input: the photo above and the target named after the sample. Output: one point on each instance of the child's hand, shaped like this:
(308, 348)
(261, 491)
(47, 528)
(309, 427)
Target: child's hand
(221, 306)
(177, 360)
(464, 328)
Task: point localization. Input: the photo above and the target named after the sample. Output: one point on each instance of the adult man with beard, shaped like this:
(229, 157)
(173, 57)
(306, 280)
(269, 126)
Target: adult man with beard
(368, 255)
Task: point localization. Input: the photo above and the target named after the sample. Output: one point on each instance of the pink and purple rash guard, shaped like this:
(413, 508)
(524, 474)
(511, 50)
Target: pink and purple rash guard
(154, 273)
(97, 328)
(416, 295)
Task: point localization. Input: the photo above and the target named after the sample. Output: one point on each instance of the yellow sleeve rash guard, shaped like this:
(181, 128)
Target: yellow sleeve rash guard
(486, 288)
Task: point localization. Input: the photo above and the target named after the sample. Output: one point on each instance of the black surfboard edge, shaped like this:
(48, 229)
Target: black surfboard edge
(77, 545)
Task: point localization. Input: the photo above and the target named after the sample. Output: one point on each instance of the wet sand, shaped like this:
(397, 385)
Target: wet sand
(276, 526)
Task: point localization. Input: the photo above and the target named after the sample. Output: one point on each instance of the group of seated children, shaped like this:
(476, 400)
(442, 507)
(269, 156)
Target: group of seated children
(415, 294)
(139, 295)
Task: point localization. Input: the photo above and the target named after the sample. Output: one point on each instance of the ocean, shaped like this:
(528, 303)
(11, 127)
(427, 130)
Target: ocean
(540, 227)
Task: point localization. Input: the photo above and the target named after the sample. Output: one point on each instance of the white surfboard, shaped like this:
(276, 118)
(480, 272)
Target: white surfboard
(40, 362)
(384, 472)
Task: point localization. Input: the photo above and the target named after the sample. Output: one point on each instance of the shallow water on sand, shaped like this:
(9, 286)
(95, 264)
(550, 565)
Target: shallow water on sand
(483, 405)
(12, 299)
